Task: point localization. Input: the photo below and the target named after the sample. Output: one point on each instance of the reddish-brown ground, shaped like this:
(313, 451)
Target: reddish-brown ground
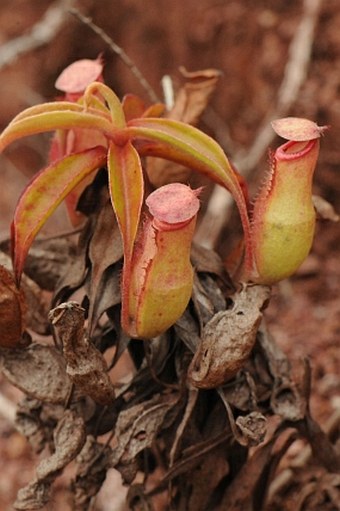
(248, 40)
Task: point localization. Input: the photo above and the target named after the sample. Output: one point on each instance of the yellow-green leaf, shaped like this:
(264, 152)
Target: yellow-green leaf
(44, 193)
(53, 120)
(126, 190)
(115, 107)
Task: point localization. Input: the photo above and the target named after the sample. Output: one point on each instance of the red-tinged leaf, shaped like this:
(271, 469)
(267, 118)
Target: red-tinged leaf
(50, 121)
(184, 144)
(133, 106)
(114, 105)
(96, 107)
(44, 193)
(155, 110)
(126, 190)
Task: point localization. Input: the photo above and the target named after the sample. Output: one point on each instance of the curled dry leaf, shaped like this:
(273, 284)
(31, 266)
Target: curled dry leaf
(105, 249)
(228, 338)
(13, 309)
(138, 426)
(69, 438)
(34, 301)
(92, 465)
(252, 426)
(248, 430)
(297, 129)
(85, 365)
(36, 420)
(39, 371)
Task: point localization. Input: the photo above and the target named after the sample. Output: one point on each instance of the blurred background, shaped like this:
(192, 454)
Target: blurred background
(277, 58)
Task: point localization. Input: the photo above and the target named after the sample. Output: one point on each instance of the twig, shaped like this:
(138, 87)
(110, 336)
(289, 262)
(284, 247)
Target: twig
(220, 203)
(118, 51)
(41, 33)
(7, 409)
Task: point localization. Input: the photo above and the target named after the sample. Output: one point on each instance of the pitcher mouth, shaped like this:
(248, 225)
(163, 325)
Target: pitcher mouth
(292, 150)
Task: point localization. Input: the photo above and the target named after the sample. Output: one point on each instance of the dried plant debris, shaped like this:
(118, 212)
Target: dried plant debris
(92, 462)
(13, 310)
(200, 395)
(39, 371)
(36, 421)
(228, 338)
(137, 428)
(69, 438)
(30, 300)
(85, 365)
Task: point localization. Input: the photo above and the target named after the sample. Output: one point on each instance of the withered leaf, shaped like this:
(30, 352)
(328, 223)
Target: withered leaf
(47, 259)
(204, 480)
(92, 465)
(228, 338)
(75, 272)
(193, 98)
(248, 430)
(36, 421)
(253, 426)
(137, 427)
(85, 365)
(105, 249)
(37, 370)
(207, 298)
(34, 303)
(208, 261)
(247, 490)
(13, 310)
(69, 438)
(285, 399)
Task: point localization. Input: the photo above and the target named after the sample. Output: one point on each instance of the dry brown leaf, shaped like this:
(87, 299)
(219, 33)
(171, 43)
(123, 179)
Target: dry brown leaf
(13, 309)
(39, 371)
(228, 338)
(92, 465)
(137, 427)
(69, 438)
(85, 365)
(105, 249)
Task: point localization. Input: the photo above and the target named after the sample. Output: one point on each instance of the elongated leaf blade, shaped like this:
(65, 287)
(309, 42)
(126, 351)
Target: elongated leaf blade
(184, 144)
(44, 193)
(96, 108)
(112, 100)
(178, 141)
(51, 121)
(126, 190)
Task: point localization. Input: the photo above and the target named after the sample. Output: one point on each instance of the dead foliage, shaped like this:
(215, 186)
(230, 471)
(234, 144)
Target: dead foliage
(210, 407)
